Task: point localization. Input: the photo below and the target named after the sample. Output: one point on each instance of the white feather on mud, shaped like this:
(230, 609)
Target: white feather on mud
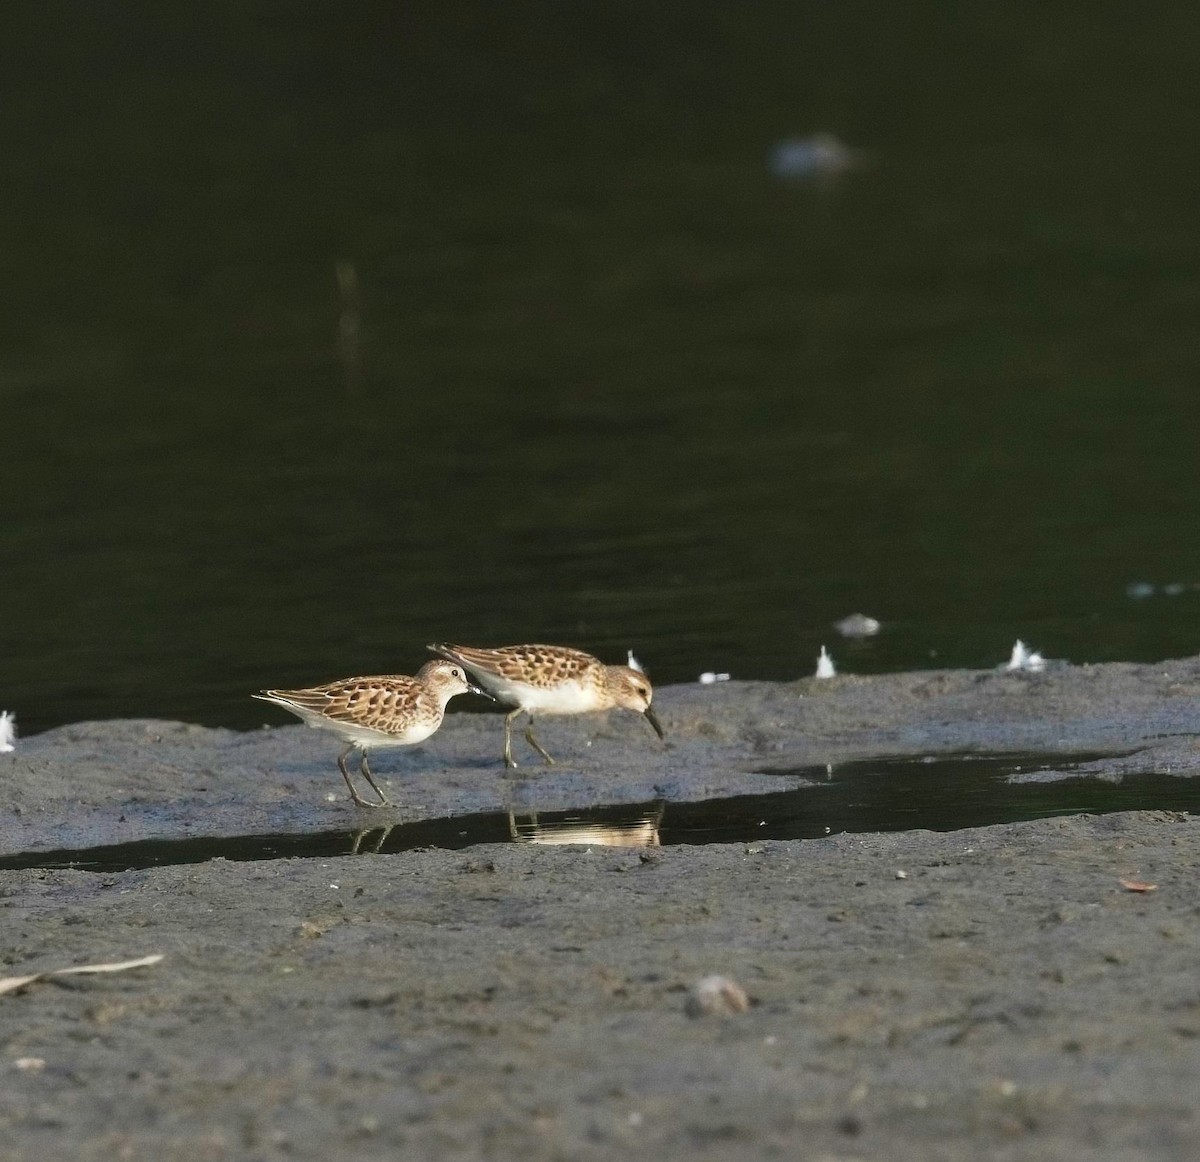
(825, 666)
(8, 732)
(1025, 659)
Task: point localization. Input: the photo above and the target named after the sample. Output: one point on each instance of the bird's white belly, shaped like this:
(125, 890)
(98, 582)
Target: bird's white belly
(565, 698)
(365, 736)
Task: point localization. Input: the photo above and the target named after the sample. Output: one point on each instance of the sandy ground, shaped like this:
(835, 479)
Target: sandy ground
(992, 993)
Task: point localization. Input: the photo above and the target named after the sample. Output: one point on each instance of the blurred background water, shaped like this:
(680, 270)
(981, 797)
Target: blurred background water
(333, 329)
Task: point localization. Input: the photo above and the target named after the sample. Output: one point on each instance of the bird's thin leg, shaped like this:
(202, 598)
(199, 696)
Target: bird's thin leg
(508, 721)
(358, 799)
(384, 801)
(533, 742)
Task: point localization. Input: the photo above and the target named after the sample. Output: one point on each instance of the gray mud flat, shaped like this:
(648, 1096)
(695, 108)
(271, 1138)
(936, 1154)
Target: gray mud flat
(986, 993)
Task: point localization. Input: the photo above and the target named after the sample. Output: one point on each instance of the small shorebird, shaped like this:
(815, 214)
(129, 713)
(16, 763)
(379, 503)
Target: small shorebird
(374, 713)
(551, 680)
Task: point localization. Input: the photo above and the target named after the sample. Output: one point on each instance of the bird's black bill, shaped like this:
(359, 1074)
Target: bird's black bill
(653, 719)
(479, 690)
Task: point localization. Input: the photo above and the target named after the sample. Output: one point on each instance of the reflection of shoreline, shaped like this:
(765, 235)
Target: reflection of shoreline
(637, 830)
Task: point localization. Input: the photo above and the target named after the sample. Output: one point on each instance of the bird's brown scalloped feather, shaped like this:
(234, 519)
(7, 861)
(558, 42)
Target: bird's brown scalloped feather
(536, 665)
(378, 703)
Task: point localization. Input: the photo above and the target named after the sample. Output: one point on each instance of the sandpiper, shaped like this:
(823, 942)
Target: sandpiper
(374, 713)
(551, 680)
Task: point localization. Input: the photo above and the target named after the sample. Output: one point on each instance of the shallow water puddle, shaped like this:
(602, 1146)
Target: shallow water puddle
(888, 794)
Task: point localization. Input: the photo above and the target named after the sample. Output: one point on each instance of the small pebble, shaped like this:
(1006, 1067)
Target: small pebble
(716, 996)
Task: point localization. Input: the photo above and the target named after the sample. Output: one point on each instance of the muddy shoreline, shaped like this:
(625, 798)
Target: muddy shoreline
(993, 992)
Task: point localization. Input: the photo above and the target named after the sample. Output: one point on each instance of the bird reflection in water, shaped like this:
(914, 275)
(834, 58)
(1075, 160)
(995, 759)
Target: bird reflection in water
(634, 826)
(629, 825)
(361, 845)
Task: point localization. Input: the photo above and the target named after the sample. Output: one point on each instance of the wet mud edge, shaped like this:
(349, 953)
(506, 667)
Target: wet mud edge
(981, 993)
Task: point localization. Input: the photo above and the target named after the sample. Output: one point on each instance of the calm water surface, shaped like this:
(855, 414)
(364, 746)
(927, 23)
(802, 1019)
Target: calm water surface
(606, 380)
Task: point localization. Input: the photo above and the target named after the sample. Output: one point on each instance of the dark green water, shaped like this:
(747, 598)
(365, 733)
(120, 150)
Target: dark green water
(617, 385)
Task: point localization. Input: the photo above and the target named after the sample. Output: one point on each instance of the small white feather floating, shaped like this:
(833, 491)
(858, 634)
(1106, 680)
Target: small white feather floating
(825, 666)
(634, 664)
(1024, 659)
(708, 678)
(8, 732)
(858, 625)
(812, 158)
